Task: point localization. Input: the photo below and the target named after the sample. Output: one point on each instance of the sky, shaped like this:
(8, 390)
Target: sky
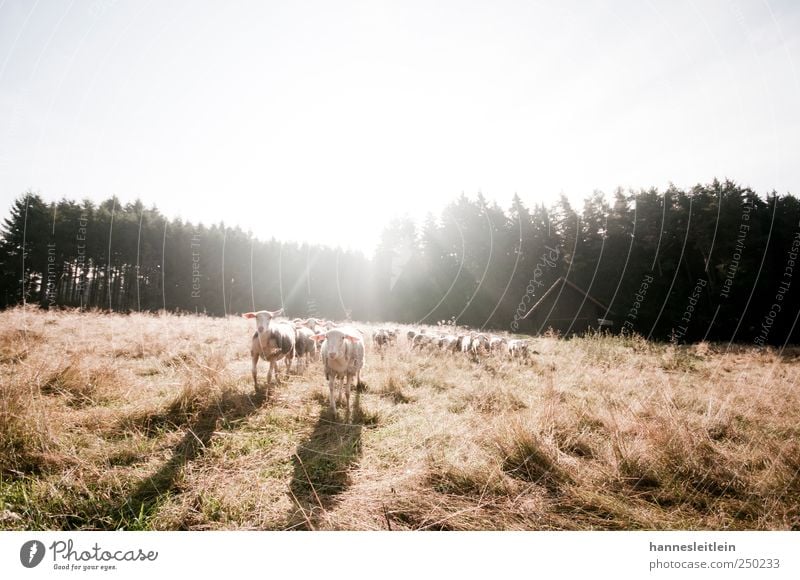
(322, 121)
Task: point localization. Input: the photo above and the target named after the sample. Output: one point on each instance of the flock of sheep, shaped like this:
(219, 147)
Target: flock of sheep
(342, 346)
(472, 343)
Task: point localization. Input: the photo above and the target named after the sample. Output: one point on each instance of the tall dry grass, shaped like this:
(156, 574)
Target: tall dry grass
(151, 422)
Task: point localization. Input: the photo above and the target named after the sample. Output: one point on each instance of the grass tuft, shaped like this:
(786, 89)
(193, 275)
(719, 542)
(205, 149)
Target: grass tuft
(526, 456)
(16, 343)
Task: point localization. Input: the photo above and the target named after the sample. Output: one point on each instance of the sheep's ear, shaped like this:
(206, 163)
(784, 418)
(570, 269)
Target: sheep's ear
(318, 337)
(351, 338)
(249, 315)
(277, 312)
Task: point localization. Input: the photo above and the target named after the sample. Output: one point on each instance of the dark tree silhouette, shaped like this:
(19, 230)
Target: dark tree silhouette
(719, 262)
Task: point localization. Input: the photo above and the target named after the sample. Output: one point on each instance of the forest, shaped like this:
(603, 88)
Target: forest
(714, 262)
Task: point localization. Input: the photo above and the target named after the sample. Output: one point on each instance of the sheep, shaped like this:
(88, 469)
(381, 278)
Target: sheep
(314, 324)
(449, 342)
(518, 348)
(498, 344)
(316, 327)
(479, 344)
(274, 340)
(422, 339)
(380, 338)
(305, 346)
(466, 343)
(342, 358)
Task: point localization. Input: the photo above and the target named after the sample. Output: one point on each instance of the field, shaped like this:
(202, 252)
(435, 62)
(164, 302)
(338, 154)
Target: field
(152, 422)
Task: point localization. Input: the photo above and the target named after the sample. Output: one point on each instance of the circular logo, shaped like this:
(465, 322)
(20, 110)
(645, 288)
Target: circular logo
(31, 553)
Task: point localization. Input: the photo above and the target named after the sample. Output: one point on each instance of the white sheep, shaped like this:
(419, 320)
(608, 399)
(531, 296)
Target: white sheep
(274, 340)
(342, 358)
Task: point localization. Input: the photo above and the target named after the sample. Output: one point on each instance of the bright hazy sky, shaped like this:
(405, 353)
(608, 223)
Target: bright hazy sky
(321, 121)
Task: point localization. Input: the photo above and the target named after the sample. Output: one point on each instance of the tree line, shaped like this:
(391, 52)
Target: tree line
(716, 262)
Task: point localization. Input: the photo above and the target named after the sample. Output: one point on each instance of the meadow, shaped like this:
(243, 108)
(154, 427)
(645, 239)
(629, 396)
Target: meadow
(151, 422)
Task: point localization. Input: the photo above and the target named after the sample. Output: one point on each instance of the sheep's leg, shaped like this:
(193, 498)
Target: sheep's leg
(347, 382)
(255, 369)
(341, 388)
(331, 387)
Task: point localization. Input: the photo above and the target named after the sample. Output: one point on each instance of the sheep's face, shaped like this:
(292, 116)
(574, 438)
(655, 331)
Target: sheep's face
(336, 343)
(263, 318)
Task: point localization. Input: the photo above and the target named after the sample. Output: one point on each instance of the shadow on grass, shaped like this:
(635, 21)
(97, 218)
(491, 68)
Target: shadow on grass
(227, 408)
(322, 465)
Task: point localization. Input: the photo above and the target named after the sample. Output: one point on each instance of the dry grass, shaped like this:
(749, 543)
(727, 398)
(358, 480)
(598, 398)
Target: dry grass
(152, 422)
